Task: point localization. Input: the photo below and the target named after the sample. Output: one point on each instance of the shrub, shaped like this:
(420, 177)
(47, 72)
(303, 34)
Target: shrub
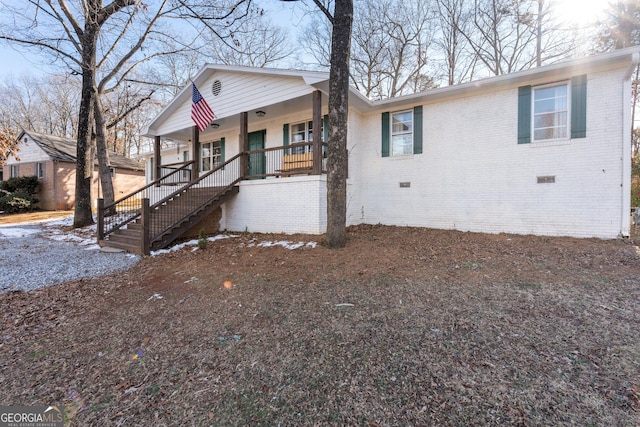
(24, 184)
(18, 194)
(202, 239)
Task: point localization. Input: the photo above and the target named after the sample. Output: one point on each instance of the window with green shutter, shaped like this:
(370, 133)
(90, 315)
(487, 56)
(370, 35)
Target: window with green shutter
(556, 111)
(402, 132)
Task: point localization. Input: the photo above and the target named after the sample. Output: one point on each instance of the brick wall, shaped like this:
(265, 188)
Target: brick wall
(285, 205)
(211, 225)
(473, 176)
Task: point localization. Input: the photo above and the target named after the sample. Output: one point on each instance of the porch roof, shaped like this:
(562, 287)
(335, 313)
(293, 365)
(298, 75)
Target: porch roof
(307, 81)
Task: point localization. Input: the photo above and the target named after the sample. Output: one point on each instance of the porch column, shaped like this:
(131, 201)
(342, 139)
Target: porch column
(317, 135)
(157, 169)
(244, 144)
(195, 150)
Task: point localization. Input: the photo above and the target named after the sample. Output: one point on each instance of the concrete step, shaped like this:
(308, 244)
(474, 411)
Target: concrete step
(129, 247)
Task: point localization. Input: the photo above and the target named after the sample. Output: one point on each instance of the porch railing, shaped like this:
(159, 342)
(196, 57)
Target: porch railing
(160, 209)
(183, 177)
(288, 160)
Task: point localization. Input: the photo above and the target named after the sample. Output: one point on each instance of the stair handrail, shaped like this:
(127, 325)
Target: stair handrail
(128, 215)
(192, 183)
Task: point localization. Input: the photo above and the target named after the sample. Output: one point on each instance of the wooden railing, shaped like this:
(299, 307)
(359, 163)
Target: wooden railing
(288, 160)
(128, 208)
(179, 178)
(190, 197)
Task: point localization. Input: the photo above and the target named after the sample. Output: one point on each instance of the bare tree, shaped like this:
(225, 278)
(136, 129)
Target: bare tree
(459, 63)
(513, 35)
(45, 104)
(370, 48)
(103, 44)
(390, 44)
(408, 24)
(315, 40)
(255, 43)
(500, 34)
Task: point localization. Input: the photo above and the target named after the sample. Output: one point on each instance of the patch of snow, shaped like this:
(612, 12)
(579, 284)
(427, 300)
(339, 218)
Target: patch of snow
(286, 244)
(14, 232)
(190, 243)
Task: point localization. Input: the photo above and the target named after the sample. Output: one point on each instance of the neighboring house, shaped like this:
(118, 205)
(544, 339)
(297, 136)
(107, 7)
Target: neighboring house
(544, 151)
(53, 161)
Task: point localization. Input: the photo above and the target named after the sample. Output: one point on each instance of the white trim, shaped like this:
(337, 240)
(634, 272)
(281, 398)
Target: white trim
(567, 84)
(391, 134)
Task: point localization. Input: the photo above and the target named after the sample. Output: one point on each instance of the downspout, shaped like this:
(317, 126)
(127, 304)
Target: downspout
(627, 126)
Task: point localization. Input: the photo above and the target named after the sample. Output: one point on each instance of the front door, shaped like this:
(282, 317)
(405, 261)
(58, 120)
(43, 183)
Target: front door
(257, 161)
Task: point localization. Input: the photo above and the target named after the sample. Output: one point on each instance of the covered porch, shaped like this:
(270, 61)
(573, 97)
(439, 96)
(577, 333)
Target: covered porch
(174, 201)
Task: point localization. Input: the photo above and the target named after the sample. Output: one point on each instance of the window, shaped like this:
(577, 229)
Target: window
(14, 171)
(402, 132)
(211, 155)
(550, 112)
(303, 132)
(40, 170)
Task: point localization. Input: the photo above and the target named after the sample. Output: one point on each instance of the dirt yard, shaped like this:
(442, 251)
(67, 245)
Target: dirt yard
(403, 327)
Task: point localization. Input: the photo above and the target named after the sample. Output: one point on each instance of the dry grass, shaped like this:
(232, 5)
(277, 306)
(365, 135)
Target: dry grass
(403, 327)
(36, 216)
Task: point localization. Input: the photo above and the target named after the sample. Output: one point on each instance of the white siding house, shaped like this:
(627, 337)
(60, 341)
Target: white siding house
(545, 151)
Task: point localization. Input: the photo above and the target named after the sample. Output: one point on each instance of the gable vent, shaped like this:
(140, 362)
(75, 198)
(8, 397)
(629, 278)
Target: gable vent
(216, 87)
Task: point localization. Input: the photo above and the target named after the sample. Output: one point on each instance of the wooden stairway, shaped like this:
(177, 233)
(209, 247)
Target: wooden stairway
(170, 220)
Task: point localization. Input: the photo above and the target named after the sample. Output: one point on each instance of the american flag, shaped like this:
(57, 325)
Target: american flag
(201, 113)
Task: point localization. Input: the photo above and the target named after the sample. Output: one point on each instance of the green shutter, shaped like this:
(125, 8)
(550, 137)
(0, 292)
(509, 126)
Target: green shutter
(579, 107)
(385, 134)
(221, 150)
(417, 129)
(285, 136)
(524, 115)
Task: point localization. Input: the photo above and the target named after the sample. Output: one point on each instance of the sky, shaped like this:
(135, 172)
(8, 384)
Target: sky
(292, 15)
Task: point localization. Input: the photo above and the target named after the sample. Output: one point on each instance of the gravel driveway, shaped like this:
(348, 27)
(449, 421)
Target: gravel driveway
(37, 255)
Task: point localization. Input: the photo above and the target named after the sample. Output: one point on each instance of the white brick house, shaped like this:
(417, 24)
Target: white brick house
(545, 151)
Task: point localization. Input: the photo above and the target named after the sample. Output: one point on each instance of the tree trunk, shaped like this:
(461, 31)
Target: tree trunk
(84, 151)
(338, 119)
(84, 154)
(104, 170)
